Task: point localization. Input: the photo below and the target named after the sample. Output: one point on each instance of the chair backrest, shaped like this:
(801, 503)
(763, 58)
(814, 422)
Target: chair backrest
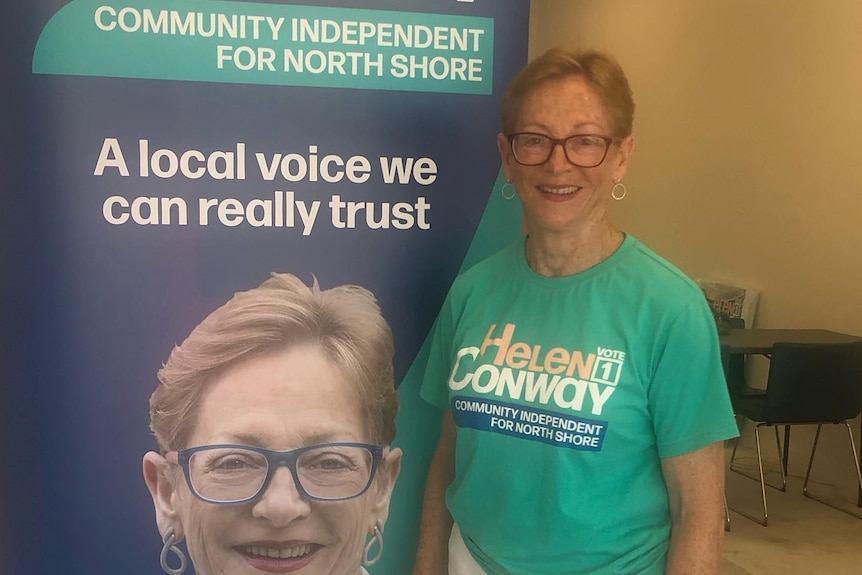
(734, 371)
(734, 364)
(814, 383)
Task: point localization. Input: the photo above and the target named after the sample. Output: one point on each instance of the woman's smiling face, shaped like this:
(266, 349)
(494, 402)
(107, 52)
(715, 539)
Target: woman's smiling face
(282, 401)
(557, 195)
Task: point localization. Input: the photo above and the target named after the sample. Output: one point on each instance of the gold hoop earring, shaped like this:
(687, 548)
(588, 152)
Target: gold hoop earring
(619, 191)
(508, 195)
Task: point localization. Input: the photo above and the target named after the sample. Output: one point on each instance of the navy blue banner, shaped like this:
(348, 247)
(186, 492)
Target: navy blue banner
(149, 173)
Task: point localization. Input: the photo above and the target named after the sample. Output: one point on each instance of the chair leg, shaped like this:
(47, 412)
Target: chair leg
(855, 456)
(781, 469)
(811, 463)
(762, 478)
(726, 515)
(740, 424)
(735, 447)
(740, 421)
(760, 462)
(765, 519)
(811, 460)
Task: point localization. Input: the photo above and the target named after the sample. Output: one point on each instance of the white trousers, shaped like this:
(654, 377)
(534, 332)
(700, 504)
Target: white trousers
(460, 560)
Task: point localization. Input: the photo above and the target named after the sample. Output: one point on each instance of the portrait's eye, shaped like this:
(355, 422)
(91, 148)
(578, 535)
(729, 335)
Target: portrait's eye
(229, 463)
(333, 461)
(223, 462)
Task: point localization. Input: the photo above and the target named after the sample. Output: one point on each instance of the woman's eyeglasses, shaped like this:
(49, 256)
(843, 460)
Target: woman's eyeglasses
(229, 474)
(582, 150)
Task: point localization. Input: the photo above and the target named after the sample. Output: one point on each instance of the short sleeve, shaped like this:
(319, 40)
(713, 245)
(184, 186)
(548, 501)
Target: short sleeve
(688, 396)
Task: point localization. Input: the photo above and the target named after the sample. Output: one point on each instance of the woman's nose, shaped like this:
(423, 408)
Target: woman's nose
(558, 160)
(282, 502)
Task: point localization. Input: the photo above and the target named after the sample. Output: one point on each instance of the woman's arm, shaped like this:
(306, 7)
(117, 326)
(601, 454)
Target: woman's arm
(432, 557)
(695, 487)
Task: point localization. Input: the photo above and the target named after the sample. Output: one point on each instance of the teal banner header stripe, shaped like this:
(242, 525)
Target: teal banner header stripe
(253, 43)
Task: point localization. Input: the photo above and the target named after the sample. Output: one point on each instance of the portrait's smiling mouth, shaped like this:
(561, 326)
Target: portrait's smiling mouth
(279, 553)
(278, 558)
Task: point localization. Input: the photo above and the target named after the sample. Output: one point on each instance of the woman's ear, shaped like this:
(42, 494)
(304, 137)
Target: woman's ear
(387, 475)
(162, 490)
(627, 146)
(505, 156)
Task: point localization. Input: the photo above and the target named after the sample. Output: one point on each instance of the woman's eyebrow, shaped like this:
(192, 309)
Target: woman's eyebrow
(302, 440)
(321, 437)
(575, 128)
(238, 438)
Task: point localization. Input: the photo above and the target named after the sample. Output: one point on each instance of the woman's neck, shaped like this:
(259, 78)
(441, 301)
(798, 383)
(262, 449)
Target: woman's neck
(564, 254)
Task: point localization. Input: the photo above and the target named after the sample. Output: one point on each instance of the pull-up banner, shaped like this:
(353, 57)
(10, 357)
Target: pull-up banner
(159, 156)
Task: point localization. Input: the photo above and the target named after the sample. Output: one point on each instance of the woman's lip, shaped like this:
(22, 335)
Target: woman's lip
(275, 543)
(278, 557)
(559, 190)
(559, 193)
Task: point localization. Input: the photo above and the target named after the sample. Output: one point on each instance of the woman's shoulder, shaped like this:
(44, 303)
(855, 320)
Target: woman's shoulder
(490, 268)
(658, 274)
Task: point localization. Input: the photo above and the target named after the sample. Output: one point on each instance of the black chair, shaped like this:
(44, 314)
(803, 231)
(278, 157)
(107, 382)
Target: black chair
(807, 384)
(734, 369)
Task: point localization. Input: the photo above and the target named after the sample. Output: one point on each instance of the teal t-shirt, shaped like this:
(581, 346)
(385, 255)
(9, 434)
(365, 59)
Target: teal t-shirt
(566, 393)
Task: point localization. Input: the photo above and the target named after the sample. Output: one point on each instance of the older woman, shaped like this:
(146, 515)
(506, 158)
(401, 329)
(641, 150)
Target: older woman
(274, 419)
(581, 371)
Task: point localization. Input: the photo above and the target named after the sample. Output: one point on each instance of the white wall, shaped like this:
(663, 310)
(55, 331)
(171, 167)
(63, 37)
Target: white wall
(748, 131)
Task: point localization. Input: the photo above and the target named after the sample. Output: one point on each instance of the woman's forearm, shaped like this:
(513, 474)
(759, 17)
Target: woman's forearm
(432, 556)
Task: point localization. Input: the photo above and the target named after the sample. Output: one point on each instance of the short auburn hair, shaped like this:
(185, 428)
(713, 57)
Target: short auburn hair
(345, 322)
(601, 70)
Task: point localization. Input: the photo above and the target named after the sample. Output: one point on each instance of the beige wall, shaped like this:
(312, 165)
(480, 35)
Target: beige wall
(748, 161)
